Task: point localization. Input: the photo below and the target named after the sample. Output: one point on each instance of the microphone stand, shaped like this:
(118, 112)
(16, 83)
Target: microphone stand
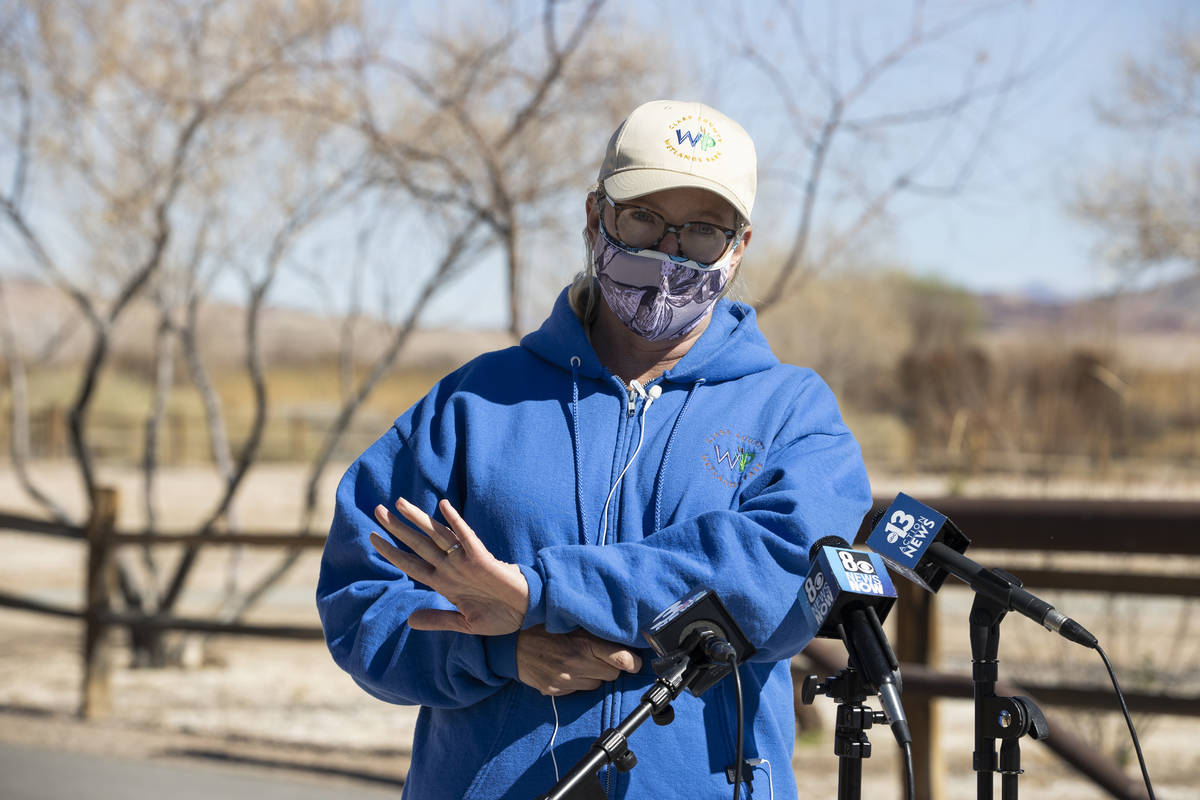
(1003, 718)
(850, 743)
(612, 747)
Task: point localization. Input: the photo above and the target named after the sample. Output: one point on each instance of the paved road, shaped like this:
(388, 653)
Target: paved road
(28, 773)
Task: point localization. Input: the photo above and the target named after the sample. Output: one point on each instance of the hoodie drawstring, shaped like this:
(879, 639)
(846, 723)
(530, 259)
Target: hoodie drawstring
(575, 362)
(662, 468)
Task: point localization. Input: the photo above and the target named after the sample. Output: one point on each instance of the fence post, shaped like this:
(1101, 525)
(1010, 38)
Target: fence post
(56, 432)
(97, 655)
(178, 448)
(917, 643)
(297, 425)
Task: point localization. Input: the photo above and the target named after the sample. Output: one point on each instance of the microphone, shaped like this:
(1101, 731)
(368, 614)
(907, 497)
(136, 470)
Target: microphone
(700, 627)
(848, 594)
(924, 546)
(697, 641)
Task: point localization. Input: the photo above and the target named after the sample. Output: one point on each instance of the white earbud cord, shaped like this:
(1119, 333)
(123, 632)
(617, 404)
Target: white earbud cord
(553, 736)
(770, 777)
(649, 397)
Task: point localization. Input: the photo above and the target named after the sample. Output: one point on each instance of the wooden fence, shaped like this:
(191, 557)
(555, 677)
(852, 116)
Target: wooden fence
(997, 528)
(293, 435)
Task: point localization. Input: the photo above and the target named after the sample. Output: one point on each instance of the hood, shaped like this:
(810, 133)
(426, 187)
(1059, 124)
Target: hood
(731, 346)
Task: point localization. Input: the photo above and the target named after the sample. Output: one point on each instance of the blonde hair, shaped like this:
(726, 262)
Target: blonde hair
(584, 289)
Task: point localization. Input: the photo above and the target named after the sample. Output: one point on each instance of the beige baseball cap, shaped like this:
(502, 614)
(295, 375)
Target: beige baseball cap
(669, 144)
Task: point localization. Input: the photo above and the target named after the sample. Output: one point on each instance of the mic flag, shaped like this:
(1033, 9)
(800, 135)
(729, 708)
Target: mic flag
(924, 546)
(841, 578)
(849, 593)
(903, 535)
(691, 626)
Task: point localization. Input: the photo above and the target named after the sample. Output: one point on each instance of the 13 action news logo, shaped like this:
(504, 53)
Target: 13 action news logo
(912, 532)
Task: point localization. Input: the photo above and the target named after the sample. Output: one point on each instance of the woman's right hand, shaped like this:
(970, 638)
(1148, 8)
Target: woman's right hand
(490, 596)
(560, 663)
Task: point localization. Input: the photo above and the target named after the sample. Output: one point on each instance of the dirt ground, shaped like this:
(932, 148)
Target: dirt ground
(285, 705)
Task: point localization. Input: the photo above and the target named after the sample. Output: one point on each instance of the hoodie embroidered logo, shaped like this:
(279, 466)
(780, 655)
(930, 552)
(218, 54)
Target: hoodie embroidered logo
(730, 456)
(741, 458)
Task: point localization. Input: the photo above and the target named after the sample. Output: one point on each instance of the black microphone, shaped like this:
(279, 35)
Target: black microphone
(698, 642)
(700, 627)
(924, 546)
(849, 593)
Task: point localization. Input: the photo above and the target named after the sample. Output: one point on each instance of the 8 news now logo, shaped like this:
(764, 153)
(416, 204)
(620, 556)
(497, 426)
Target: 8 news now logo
(819, 594)
(859, 577)
(860, 573)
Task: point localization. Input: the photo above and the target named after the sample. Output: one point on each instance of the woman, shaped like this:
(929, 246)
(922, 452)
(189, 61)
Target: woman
(642, 443)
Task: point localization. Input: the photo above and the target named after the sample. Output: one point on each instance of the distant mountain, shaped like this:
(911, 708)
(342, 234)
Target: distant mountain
(1017, 310)
(1043, 293)
(49, 329)
(1169, 307)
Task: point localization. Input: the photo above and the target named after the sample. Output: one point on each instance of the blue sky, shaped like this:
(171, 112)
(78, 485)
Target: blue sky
(1008, 228)
(1013, 231)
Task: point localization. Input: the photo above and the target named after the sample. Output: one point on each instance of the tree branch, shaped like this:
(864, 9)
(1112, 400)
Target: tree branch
(19, 439)
(455, 255)
(558, 59)
(320, 202)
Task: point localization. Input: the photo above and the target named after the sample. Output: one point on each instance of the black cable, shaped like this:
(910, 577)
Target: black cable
(910, 778)
(1137, 746)
(737, 764)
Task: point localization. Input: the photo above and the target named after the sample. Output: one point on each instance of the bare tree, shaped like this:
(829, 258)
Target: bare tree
(483, 142)
(258, 288)
(866, 123)
(1146, 208)
(19, 444)
(242, 133)
(141, 145)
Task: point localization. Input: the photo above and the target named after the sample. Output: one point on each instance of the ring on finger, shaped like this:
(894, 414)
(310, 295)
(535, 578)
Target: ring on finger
(452, 548)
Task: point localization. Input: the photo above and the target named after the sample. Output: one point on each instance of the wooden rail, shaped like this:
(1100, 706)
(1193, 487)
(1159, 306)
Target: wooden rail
(998, 528)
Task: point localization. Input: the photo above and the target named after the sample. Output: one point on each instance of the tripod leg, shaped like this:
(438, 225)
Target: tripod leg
(849, 778)
(1010, 768)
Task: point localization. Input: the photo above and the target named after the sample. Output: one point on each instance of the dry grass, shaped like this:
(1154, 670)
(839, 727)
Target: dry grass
(1026, 422)
(314, 386)
(302, 404)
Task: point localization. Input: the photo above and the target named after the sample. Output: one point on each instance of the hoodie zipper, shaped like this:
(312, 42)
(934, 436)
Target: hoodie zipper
(633, 392)
(631, 407)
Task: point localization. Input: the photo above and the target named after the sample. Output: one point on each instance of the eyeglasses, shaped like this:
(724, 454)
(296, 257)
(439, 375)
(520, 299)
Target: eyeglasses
(638, 228)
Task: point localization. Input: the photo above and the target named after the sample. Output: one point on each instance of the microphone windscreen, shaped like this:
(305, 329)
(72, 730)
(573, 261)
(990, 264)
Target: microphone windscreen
(826, 541)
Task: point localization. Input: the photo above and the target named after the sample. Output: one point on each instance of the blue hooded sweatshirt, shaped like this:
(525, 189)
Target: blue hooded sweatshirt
(724, 480)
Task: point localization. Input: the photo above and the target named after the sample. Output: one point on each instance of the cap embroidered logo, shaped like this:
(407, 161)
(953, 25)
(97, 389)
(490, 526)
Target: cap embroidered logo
(696, 139)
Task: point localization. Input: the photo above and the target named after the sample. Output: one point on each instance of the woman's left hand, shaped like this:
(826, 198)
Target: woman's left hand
(491, 596)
